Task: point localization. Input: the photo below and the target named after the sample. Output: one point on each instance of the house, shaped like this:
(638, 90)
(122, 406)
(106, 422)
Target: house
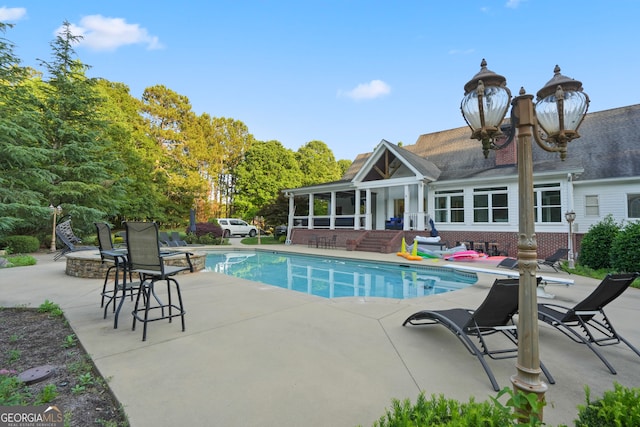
(394, 191)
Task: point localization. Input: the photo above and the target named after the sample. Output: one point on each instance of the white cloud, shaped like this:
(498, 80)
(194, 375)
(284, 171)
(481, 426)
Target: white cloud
(513, 4)
(102, 33)
(12, 13)
(371, 90)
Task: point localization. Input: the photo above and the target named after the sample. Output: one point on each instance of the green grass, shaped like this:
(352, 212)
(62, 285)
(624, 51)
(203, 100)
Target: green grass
(19, 260)
(264, 240)
(581, 270)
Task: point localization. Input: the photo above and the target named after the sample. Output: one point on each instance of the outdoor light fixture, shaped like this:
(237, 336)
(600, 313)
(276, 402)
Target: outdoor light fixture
(55, 211)
(552, 123)
(570, 216)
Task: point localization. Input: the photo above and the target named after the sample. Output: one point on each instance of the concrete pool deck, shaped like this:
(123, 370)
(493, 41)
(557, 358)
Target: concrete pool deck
(258, 355)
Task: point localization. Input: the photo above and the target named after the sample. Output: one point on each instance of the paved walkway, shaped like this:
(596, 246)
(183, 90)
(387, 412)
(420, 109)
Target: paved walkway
(257, 355)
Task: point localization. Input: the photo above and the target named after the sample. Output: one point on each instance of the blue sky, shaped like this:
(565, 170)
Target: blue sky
(348, 73)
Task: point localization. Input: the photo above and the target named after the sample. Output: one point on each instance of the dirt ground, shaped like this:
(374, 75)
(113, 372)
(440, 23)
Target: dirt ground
(30, 339)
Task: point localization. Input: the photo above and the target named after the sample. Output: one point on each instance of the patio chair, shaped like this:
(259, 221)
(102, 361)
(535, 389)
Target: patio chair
(145, 258)
(71, 242)
(586, 323)
(554, 259)
(165, 240)
(177, 240)
(117, 258)
(510, 263)
(495, 315)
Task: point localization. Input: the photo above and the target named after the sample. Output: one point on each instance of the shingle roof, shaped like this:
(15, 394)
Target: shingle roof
(609, 147)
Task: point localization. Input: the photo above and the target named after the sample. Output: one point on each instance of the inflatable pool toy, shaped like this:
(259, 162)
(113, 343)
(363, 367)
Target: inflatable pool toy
(403, 248)
(463, 255)
(413, 256)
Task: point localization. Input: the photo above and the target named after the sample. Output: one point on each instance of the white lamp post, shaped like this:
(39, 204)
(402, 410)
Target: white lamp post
(55, 211)
(570, 216)
(560, 108)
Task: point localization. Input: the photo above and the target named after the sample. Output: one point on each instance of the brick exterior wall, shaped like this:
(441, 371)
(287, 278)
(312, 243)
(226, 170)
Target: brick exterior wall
(548, 243)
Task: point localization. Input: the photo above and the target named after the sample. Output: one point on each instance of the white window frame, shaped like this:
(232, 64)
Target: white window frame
(633, 205)
(542, 208)
(447, 210)
(492, 210)
(591, 205)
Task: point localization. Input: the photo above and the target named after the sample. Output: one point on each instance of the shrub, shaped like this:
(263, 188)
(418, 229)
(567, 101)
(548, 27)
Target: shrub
(595, 248)
(620, 407)
(21, 244)
(625, 249)
(439, 411)
(207, 233)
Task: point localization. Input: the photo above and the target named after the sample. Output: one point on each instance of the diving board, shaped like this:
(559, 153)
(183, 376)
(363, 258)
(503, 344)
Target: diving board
(545, 279)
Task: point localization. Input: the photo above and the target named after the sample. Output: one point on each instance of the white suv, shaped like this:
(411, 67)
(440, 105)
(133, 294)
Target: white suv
(234, 226)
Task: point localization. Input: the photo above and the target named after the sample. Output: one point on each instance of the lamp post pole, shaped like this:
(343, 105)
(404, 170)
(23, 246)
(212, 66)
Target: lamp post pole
(55, 210)
(559, 111)
(527, 377)
(570, 217)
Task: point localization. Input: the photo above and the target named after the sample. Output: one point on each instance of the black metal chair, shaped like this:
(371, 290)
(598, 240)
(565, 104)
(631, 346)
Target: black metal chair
(554, 259)
(495, 315)
(145, 258)
(586, 323)
(71, 242)
(118, 260)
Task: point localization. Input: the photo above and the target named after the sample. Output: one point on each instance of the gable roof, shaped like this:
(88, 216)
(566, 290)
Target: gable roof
(609, 147)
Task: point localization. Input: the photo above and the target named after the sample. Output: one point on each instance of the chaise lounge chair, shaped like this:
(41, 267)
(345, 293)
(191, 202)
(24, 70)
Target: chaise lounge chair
(65, 233)
(554, 259)
(586, 323)
(494, 315)
(510, 263)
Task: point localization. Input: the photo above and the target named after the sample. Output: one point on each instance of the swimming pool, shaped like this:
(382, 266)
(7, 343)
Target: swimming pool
(337, 277)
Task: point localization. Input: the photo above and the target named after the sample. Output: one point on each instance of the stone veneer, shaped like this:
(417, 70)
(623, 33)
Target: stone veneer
(88, 264)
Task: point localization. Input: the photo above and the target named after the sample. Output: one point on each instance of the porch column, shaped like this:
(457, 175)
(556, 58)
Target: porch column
(356, 211)
(421, 215)
(292, 211)
(407, 200)
(332, 211)
(368, 220)
(310, 217)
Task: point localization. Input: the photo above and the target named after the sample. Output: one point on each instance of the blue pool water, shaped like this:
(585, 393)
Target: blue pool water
(337, 277)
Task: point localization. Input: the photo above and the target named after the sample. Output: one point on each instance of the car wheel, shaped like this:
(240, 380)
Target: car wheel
(227, 233)
(252, 233)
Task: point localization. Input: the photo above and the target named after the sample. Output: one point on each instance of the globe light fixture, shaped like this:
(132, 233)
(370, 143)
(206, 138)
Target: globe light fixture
(552, 123)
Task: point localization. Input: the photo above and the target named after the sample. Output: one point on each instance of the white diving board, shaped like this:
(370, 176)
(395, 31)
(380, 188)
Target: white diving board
(545, 279)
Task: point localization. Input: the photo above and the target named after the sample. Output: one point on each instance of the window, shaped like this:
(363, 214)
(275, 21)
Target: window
(547, 203)
(633, 205)
(591, 206)
(449, 206)
(490, 204)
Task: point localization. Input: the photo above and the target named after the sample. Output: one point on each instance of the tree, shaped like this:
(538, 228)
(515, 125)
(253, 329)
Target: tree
(235, 139)
(76, 138)
(317, 163)
(268, 167)
(343, 165)
(138, 196)
(169, 119)
(23, 206)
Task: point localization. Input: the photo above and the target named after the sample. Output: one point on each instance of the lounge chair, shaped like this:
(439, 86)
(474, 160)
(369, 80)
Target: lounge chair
(554, 259)
(71, 242)
(164, 239)
(494, 315)
(586, 323)
(510, 263)
(177, 240)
